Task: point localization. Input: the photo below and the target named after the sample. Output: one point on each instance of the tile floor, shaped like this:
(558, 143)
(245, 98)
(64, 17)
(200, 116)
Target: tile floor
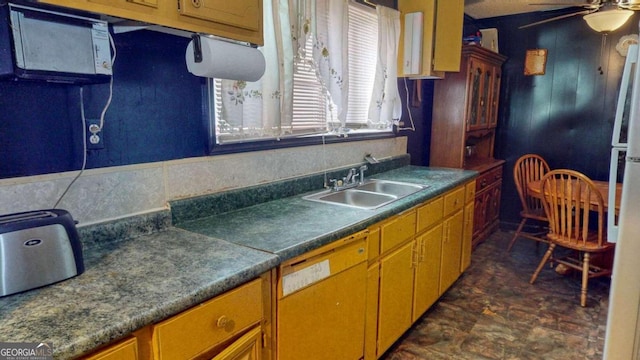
(492, 312)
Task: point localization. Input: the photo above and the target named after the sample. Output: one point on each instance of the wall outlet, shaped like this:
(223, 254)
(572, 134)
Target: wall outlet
(95, 140)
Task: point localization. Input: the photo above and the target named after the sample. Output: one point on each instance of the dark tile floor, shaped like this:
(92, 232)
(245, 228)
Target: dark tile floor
(492, 312)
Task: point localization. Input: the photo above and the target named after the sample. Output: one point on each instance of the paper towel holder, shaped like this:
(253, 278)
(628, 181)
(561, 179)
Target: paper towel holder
(197, 48)
(214, 57)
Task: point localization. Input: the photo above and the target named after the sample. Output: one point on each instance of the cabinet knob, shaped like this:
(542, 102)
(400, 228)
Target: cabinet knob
(223, 322)
(483, 183)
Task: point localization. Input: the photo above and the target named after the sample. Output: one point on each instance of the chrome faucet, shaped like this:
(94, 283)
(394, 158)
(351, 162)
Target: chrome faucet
(351, 176)
(353, 179)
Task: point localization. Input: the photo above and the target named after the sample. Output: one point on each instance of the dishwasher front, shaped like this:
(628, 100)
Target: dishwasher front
(321, 302)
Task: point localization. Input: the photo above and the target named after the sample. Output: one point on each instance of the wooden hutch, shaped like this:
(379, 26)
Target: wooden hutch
(465, 115)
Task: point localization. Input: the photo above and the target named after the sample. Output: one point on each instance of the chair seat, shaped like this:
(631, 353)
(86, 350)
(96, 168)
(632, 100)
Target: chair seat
(591, 245)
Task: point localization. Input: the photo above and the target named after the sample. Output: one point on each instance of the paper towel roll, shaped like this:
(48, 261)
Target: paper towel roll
(225, 60)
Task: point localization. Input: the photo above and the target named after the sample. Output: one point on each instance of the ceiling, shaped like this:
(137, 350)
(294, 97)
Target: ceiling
(480, 9)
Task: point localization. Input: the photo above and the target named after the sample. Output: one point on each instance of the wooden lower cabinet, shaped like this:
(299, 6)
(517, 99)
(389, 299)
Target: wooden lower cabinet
(396, 295)
(235, 325)
(487, 201)
(124, 350)
(426, 284)
(414, 268)
(248, 347)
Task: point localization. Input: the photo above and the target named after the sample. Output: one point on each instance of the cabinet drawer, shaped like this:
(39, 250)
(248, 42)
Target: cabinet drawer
(486, 179)
(397, 230)
(454, 200)
(124, 350)
(197, 330)
(430, 213)
(470, 191)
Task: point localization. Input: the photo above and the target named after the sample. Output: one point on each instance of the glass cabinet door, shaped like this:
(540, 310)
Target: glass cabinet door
(495, 97)
(475, 94)
(484, 97)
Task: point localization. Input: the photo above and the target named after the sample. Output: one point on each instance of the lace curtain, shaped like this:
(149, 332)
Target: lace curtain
(264, 108)
(385, 104)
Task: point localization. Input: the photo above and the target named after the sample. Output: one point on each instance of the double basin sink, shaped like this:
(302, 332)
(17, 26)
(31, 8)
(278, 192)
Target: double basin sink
(371, 194)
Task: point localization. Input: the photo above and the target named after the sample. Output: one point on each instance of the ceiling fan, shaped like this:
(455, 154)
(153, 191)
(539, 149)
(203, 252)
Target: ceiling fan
(601, 15)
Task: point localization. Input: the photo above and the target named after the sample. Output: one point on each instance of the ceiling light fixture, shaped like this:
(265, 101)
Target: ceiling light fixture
(605, 21)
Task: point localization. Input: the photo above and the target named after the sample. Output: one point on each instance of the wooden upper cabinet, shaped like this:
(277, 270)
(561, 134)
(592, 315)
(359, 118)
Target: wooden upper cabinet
(245, 14)
(151, 3)
(236, 20)
(465, 110)
(441, 36)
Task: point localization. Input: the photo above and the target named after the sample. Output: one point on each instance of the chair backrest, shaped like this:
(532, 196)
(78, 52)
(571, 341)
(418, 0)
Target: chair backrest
(569, 199)
(529, 167)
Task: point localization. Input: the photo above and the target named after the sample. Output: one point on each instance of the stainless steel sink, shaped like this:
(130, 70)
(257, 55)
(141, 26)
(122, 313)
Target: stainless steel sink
(369, 195)
(395, 188)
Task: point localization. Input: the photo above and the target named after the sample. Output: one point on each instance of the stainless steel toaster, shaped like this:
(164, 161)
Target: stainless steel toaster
(38, 248)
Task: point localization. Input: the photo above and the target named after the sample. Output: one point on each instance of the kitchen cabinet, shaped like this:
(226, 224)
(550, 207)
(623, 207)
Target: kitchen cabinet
(487, 204)
(202, 330)
(465, 115)
(232, 326)
(238, 20)
(422, 252)
(467, 232)
(124, 350)
(321, 302)
(441, 36)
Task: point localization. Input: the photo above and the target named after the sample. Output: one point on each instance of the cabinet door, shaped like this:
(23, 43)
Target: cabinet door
(485, 93)
(239, 13)
(475, 81)
(396, 295)
(467, 236)
(427, 275)
(451, 250)
(495, 96)
(479, 213)
(493, 208)
(124, 350)
(245, 348)
(441, 33)
(371, 317)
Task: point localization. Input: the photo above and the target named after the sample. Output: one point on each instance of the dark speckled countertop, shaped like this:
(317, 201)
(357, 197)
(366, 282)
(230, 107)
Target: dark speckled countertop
(292, 226)
(138, 281)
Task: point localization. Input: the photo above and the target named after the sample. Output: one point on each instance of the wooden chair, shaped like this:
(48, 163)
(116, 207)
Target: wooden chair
(571, 201)
(529, 167)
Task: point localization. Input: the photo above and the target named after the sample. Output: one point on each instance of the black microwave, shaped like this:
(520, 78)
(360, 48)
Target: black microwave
(44, 44)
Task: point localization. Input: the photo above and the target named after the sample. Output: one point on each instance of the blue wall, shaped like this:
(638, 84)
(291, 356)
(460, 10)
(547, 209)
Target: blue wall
(565, 115)
(157, 113)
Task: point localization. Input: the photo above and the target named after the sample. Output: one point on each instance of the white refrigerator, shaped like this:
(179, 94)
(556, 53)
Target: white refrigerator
(622, 340)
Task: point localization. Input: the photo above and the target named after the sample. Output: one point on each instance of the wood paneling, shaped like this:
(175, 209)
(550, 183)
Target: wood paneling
(565, 115)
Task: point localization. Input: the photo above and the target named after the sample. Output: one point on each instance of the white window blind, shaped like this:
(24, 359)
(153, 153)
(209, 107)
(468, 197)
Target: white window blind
(363, 44)
(312, 112)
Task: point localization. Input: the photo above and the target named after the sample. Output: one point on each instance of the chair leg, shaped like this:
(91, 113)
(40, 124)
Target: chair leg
(544, 260)
(585, 279)
(515, 236)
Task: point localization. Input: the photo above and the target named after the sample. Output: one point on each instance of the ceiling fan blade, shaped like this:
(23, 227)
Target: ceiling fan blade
(584, 12)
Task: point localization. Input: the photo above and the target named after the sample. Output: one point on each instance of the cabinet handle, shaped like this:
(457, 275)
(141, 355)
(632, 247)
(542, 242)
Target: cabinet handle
(223, 322)
(422, 249)
(413, 256)
(483, 183)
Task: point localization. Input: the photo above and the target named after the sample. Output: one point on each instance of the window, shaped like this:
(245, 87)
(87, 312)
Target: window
(244, 112)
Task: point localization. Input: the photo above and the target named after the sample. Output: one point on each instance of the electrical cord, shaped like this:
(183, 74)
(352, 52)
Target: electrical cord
(84, 124)
(413, 127)
(84, 148)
